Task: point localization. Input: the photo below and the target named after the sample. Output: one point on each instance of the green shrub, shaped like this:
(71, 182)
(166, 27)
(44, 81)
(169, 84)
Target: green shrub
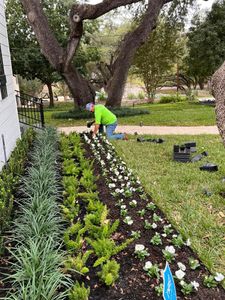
(79, 292)
(9, 178)
(131, 96)
(110, 272)
(81, 114)
(141, 95)
(173, 99)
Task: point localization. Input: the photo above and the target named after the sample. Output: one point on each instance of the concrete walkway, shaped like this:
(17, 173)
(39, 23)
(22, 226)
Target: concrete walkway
(155, 130)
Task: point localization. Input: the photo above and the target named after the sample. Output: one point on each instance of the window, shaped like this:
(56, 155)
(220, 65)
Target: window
(3, 87)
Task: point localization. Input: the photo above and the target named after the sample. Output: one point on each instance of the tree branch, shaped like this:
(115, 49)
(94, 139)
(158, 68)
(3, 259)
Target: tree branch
(89, 11)
(46, 39)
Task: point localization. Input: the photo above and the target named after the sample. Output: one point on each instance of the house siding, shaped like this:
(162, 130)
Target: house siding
(9, 124)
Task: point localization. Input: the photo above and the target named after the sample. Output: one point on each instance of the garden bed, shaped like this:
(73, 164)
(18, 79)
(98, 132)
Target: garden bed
(134, 282)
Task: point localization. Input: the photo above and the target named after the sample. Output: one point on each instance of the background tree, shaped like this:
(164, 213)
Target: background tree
(156, 58)
(206, 44)
(27, 59)
(61, 56)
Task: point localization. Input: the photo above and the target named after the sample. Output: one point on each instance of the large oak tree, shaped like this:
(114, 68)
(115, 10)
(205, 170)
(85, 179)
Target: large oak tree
(61, 57)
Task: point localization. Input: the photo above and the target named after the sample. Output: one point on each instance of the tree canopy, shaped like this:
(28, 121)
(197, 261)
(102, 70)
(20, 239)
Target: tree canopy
(206, 43)
(27, 58)
(158, 55)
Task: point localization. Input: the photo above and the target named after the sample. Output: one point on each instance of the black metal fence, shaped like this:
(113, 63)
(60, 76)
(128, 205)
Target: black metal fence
(30, 110)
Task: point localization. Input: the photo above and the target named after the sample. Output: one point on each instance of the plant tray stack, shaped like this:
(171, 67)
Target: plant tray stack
(181, 153)
(191, 146)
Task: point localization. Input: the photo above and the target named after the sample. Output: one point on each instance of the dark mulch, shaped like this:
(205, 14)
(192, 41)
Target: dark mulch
(133, 283)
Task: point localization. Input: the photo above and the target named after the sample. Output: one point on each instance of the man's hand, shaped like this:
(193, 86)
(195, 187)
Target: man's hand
(95, 130)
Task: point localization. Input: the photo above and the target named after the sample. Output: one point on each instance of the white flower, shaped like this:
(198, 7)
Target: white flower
(139, 247)
(122, 191)
(219, 277)
(195, 285)
(180, 274)
(128, 220)
(170, 249)
(182, 282)
(117, 190)
(123, 206)
(112, 185)
(147, 266)
(164, 234)
(181, 266)
(154, 225)
(174, 235)
(133, 203)
(188, 242)
(120, 177)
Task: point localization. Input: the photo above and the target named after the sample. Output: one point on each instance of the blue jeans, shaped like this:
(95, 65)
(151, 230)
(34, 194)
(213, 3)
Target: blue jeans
(110, 132)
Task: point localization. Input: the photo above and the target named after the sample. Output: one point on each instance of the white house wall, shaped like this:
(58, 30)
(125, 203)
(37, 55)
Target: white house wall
(9, 124)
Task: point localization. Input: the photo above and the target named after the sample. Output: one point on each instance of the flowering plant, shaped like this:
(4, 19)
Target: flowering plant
(169, 253)
(152, 270)
(140, 251)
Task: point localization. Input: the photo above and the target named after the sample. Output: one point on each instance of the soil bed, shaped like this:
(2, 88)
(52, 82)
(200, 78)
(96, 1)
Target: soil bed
(134, 283)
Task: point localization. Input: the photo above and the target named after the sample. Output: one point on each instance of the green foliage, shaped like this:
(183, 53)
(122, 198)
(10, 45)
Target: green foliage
(186, 288)
(157, 56)
(79, 292)
(119, 112)
(209, 281)
(159, 289)
(105, 248)
(193, 263)
(110, 272)
(78, 263)
(10, 176)
(28, 61)
(156, 240)
(37, 256)
(172, 99)
(88, 180)
(178, 241)
(73, 237)
(206, 43)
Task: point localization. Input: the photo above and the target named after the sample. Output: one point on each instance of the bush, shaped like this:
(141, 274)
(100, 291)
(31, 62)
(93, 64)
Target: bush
(173, 99)
(81, 114)
(141, 95)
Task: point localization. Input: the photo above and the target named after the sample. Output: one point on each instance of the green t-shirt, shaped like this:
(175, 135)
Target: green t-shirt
(103, 115)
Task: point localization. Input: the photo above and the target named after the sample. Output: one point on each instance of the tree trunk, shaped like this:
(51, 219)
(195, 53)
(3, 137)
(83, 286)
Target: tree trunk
(132, 41)
(79, 87)
(218, 88)
(51, 97)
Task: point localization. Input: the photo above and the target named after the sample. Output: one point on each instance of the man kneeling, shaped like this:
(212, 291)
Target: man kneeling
(104, 117)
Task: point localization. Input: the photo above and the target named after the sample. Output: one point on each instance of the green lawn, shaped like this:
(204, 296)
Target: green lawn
(178, 189)
(175, 114)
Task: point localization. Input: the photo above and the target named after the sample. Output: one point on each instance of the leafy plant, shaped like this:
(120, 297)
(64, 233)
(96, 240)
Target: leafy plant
(209, 281)
(79, 292)
(156, 240)
(136, 234)
(193, 263)
(105, 248)
(78, 262)
(110, 272)
(186, 288)
(142, 212)
(159, 289)
(151, 206)
(178, 241)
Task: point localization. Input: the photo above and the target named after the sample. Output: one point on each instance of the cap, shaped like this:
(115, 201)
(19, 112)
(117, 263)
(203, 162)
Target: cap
(89, 106)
